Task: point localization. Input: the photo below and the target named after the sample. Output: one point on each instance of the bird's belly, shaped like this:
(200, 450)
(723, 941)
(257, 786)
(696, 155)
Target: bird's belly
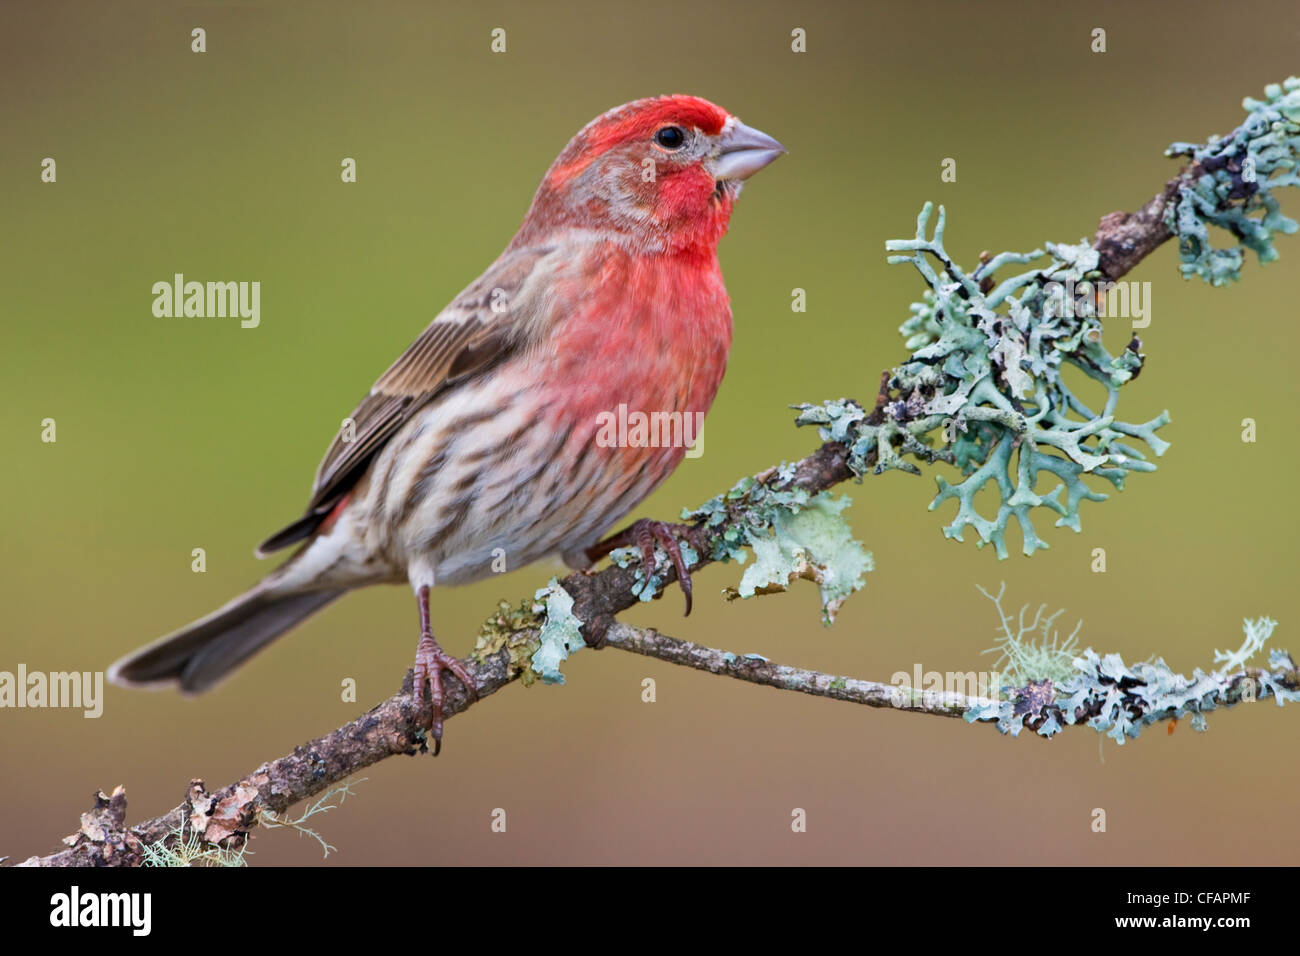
(507, 470)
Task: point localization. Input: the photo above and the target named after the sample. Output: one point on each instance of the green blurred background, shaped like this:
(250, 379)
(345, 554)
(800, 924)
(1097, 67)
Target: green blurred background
(182, 433)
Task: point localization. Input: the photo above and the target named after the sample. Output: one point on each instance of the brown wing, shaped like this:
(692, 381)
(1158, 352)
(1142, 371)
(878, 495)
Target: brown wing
(487, 321)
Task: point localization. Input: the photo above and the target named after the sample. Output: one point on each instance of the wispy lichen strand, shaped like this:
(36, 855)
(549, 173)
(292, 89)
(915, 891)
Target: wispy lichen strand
(1033, 650)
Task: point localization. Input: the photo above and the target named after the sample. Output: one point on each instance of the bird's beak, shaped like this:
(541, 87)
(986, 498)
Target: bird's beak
(744, 152)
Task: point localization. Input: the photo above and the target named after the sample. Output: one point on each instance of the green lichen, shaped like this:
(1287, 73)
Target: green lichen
(514, 628)
(1234, 190)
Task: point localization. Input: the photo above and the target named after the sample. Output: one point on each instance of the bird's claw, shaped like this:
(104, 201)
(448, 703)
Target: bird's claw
(645, 534)
(430, 661)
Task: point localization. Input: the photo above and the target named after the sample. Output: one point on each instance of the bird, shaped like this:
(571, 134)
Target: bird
(482, 444)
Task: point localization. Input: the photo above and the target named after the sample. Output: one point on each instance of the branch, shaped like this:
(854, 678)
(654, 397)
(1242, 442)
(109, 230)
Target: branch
(1126, 238)
(225, 816)
(391, 728)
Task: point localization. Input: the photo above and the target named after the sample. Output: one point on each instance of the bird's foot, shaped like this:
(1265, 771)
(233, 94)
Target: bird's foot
(644, 534)
(430, 661)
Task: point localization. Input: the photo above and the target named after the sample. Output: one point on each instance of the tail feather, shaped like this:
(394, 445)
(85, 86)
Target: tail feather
(300, 530)
(198, 656)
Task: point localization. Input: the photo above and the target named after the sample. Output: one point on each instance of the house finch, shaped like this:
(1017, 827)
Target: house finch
(484, 439)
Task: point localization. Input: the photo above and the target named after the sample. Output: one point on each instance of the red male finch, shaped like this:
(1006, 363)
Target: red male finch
(482, 438)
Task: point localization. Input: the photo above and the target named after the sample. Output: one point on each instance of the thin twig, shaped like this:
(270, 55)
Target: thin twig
(225, 816)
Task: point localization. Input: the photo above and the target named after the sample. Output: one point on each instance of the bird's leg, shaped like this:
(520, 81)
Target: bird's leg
(430, 661)
(644, 534)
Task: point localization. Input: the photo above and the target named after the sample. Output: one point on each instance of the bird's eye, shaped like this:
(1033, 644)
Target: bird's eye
(670, 137)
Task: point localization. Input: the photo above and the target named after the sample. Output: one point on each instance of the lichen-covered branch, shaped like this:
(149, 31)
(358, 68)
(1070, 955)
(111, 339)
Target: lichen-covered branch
(1228, 181)
(983, 389)
(1052, 685)
(221, 819)
(984, 375)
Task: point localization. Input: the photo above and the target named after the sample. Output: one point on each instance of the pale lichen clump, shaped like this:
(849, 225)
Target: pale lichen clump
(560, 634)
(986, 374)
(792, 534)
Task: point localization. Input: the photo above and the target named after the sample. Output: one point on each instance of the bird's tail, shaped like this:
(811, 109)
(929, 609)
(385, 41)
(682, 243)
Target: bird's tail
(198, 656)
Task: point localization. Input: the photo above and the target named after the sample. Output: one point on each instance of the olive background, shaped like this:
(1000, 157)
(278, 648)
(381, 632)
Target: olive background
(175, 434)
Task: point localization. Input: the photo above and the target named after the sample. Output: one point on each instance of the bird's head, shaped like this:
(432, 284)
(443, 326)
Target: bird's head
(657, 174)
